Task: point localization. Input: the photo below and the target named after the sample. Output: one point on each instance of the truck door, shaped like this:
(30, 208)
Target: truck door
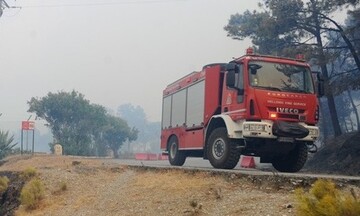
(233, 91)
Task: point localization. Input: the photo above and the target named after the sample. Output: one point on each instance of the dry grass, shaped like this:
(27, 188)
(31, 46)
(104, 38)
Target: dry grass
(175, 181)
(28, 173)
(325, 199)
(44, 161)
(4, 181)
(32, 193)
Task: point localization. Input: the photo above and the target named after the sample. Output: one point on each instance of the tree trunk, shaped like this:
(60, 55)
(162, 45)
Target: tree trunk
(116, 152)
(355, 110)
(329, 93)
(333, 115)
(323, 63)
(325, 129)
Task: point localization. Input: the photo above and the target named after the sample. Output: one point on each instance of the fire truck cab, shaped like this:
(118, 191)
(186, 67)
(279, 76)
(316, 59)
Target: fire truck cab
(256, 105)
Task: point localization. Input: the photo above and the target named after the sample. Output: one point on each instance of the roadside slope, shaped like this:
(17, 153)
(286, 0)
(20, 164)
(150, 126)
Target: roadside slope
(338, 156)
(99, 187)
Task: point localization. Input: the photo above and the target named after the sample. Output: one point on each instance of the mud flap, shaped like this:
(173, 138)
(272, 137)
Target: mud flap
(289, 129)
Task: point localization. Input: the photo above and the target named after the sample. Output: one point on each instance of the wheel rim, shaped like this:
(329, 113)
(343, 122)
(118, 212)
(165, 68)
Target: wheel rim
(218, 149)
(173, 150)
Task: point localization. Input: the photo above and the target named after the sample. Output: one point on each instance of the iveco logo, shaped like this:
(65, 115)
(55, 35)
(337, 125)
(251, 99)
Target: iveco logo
(287, 110)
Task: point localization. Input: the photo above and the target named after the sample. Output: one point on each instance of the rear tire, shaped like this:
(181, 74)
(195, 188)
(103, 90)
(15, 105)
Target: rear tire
(222, 152)
(292, 162)
(176, 156)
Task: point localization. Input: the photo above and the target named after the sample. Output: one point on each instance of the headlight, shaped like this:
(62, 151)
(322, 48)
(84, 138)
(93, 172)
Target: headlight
(313, 132)
(254, 127)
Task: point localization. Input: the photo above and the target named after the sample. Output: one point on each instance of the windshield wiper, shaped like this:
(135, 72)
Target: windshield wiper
(268, 88)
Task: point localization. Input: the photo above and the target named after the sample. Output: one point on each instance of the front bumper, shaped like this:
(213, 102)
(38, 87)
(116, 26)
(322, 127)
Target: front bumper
(264, 128)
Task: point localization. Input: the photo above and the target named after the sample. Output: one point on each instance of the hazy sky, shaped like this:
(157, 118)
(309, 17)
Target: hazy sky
(112, 51)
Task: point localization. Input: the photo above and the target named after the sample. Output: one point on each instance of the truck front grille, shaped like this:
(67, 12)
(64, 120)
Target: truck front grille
(288, 116)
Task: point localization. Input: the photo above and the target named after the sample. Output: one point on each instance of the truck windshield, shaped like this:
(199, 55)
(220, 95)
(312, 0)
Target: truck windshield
(280, 77)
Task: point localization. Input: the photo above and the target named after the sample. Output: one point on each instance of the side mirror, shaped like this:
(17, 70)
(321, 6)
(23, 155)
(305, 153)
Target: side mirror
(234, 78)
(253, 68)
(230, 79)
(232, 69)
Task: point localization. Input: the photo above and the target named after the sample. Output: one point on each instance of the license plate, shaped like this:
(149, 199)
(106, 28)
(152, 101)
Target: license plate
(286, 139)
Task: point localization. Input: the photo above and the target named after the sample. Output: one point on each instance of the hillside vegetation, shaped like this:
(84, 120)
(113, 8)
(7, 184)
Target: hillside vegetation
(338, 156)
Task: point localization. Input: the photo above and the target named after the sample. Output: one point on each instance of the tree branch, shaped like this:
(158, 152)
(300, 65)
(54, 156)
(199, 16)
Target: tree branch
(3, 4)
(344, 72)
(345, 38)
(304, 43)
(330, 29)
(341, 47)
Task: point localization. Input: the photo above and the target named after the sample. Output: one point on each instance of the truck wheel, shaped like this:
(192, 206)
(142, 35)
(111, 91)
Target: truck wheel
(176, 156)
(293, 161)
(221, 150)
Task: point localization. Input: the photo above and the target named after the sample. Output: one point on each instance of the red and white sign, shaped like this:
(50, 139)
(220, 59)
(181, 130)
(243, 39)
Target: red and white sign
(27, 125)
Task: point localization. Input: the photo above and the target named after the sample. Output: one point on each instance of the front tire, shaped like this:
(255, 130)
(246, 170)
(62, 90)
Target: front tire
(222, 152)
(176, 156)
(292, 162)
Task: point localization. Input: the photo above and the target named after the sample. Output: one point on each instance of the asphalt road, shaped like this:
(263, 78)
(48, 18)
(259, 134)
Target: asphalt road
(201, 164)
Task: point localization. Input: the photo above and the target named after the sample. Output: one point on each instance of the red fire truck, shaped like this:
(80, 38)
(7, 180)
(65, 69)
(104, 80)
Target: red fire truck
(256, 105)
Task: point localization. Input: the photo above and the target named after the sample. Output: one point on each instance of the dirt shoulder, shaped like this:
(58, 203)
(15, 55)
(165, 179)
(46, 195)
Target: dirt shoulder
(100, 187)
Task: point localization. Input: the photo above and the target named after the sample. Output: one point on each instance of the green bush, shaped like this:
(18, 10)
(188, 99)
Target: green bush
(4, 181)
(6, 143)
(32, 193)
(324, 199)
